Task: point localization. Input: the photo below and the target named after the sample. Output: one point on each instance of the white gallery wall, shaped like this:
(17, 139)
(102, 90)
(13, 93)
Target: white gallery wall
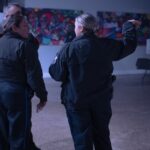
(1, 17)
(21, 2)
(124, 66)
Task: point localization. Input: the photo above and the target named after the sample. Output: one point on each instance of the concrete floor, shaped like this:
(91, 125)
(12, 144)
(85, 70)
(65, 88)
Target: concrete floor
(130, 123)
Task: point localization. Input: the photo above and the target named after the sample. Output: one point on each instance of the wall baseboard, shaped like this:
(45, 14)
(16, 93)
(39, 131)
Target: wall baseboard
(119, 72)
(126, 72)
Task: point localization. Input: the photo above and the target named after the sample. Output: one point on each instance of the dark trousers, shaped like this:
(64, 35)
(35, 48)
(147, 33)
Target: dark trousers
(32, 145)
(14, 117)
(89, 127)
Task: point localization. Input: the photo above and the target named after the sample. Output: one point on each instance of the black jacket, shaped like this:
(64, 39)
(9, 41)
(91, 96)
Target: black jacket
(84, 66)
(19, 63)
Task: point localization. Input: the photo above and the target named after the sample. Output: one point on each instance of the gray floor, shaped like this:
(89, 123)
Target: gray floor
(130, 123)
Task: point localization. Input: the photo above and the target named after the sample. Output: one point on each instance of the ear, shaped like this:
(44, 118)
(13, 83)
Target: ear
(14, 28)
(81, 29)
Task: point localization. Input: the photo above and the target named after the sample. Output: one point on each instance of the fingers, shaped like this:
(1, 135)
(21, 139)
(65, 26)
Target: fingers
(40, 106)
(137, 23)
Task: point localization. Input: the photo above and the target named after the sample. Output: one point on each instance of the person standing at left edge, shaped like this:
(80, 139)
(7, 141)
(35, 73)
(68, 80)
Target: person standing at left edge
(9, 10)
(19, 69)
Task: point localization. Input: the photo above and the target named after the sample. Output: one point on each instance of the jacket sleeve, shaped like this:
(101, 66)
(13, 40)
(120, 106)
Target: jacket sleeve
(121, 49)
(58, 68)
(34, 41)
(34, 71)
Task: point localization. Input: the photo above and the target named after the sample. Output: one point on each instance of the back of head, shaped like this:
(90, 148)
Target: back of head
(10, 21)
(12, 8)
(87, 21)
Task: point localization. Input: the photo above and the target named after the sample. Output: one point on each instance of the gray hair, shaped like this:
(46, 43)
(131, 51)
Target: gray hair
(87, 21)
(8, 23)
(11, 5)
(6, 8)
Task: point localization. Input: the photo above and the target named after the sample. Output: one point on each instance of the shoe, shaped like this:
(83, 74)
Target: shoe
(113, 77)
(34, 147)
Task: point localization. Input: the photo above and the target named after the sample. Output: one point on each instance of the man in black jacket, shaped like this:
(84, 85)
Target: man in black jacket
(85, 68)
(10, 10)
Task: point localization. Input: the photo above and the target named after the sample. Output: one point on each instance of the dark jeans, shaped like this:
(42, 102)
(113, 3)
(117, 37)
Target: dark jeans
(14, 117)
(32, 145)
(89, 127)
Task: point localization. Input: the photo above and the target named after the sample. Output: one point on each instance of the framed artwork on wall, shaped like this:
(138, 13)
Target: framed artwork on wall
(110, 25)
(50, 25)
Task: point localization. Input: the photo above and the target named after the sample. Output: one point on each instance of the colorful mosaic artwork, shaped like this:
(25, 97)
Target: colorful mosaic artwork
(50, 25)
(111, 25)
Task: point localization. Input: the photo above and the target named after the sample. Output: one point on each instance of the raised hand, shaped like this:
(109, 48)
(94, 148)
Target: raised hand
(40, 106)
(137, 23)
